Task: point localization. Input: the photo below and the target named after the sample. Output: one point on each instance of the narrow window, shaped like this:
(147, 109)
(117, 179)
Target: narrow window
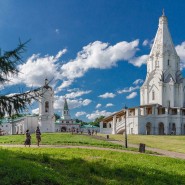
(47, 106)
(153, 95)
(168, 62)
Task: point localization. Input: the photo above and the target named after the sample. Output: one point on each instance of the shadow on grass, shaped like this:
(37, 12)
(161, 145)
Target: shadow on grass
(21, 168)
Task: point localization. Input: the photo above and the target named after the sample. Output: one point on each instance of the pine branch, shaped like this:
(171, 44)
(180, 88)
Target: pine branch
(9, 61)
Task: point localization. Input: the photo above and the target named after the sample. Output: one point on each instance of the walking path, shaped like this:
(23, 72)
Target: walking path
(163, 152)
(160, 151)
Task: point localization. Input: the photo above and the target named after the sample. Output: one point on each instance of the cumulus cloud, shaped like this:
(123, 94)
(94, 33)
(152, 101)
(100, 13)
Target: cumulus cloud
(35, 111)
(78, 114)
(107, 95)
(77, 94)
(98, 55)
(37, 68)
(181, 52)
(139, 61)
(98, 105)
(128, 89)
(109, 105)
(95, 55)
(72, 103)
(138, 81)
(131, 95)
(97, 114)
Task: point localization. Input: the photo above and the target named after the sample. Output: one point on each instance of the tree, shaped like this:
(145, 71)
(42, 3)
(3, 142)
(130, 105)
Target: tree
(81, 122)
(97, 121)
(57, 116)
(14, 104)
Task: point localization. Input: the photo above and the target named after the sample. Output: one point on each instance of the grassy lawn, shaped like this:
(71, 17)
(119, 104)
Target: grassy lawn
(41, 166)
(171, 143)
(59, 139)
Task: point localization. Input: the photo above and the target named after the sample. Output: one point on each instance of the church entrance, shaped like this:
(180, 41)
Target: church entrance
(148, 128)
(161, 128)
(63, 129)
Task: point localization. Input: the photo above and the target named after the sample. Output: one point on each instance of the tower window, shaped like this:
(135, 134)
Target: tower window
(47, 106)
(168, 62)
(153, 95)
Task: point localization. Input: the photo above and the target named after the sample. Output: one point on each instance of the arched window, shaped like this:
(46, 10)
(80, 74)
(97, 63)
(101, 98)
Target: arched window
(153, 95)
(46, 106)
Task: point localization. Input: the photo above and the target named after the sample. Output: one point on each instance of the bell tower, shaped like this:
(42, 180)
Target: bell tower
(164, 83)
(46, 112)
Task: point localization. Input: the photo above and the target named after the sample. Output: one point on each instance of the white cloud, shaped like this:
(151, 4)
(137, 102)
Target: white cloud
(109, 105)
(148, 42)
(139, 61)
(95, 55)
(77, 94)
(107, 95)
(36, 69)
(128, 89)
(35, 111)
(72, 103)
(98, 113)
(98, 55)
(98, 105)
(181, 52)
(131, 95)
(78, 114)
(145, 42)
(138, 81)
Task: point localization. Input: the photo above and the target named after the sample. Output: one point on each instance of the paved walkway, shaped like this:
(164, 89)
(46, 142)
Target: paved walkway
(163, 152)
(160, 151)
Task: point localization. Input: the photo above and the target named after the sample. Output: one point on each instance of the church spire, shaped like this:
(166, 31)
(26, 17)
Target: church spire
(65, 111)
(163, 41)
(65, 104)
(163, 46)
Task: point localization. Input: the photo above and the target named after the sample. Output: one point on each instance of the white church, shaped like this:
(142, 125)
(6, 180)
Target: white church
(45, 120)
(162, 95)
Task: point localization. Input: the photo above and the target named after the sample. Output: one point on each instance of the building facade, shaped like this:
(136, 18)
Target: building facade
(162, 95)
(65, 123)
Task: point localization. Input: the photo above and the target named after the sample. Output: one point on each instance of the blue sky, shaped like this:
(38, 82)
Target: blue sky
(94, 50)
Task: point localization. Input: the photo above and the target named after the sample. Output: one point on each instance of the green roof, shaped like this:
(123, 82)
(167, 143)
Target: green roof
(89, 126)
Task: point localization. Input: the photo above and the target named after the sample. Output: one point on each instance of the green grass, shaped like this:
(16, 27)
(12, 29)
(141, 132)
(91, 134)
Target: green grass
(54, 166)
(167, 142)
(67, 139)
(59, 139)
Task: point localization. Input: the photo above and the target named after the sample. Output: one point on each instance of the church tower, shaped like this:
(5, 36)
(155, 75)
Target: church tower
(164, 83)
(46, 112)
(65, 111)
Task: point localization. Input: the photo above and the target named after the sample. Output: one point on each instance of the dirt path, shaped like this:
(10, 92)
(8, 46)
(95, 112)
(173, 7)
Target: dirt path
(160, 151)
(163, 152)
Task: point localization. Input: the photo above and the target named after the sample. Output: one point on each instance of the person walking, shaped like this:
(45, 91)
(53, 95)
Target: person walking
(38, 135)
(28, 139)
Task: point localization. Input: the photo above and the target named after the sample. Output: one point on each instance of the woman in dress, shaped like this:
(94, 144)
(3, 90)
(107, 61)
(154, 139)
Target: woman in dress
(28, 138)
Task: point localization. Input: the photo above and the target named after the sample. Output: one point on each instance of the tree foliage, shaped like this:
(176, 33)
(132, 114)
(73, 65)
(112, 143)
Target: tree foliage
(14, 104)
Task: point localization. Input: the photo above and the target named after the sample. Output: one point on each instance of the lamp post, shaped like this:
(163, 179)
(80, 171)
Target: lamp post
(126, 146)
